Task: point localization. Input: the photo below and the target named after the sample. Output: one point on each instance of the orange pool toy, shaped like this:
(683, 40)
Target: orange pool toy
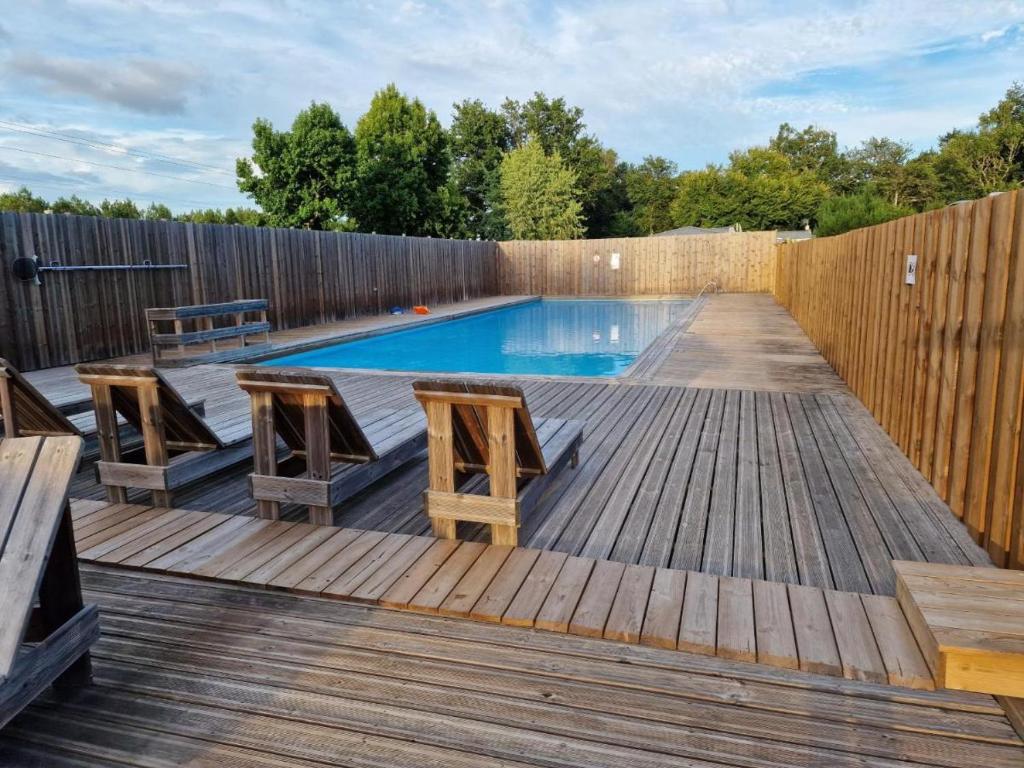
(421, 310)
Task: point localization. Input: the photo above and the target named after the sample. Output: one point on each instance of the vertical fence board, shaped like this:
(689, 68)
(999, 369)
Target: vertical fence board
(939, 363)
(742, 262)
(309, 277)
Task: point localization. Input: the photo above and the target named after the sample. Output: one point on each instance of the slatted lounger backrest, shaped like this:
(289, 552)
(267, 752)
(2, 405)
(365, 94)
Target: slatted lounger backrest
(25, 412)
(296, 398)
(147, 401)
(469, 404)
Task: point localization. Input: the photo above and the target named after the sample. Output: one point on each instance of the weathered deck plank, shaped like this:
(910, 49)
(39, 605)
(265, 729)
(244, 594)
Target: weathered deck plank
(200, 674)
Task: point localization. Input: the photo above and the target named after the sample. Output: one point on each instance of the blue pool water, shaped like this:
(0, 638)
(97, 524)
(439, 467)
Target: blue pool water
(546, 337)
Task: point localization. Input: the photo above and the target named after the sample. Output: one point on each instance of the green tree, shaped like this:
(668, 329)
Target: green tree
(402, 165)
(200, 216)
(158, 212)
(22, 201)
(120, 209)
(74, 205)
(539, 195)
(302, 177)
(862, 209)
(758, 190)
(989, 159)
(559, 128)
(879, 162)
(246, 217)
(814, 149)
(478, 140)
(651, 187)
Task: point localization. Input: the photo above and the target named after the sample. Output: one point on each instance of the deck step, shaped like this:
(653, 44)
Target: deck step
(845, 634)
(970, 623)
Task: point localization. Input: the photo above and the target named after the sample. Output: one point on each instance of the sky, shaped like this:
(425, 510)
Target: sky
(154, 99)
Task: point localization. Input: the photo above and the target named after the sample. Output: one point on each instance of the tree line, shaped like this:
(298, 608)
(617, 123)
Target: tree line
(24, 201)
(531, 170)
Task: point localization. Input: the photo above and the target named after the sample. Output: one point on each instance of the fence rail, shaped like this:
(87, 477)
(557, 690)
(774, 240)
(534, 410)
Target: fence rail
(309, 277)
(742, 262)
(939, 362)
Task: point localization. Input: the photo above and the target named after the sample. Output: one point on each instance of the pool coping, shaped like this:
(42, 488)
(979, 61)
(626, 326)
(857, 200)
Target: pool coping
(660, 345)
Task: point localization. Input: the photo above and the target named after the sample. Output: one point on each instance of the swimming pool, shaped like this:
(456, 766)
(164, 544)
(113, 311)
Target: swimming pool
(554, 337)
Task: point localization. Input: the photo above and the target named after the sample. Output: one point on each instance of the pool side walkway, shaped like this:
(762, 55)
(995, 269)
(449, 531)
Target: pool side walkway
(744, 341)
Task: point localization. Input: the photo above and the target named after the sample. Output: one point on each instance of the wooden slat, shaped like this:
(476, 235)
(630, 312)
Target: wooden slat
(812, 627)
(626, 618)
(433, 593)
(499, 594)
(736, 632)
(595, 604)
(559, 605)
(773, 625)
(471, 586)
(698, 629)
(528, 602)
(855, 640)
(664, 609)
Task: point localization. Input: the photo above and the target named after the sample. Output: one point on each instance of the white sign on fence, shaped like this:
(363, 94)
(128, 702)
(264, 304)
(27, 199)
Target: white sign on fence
(911, 278)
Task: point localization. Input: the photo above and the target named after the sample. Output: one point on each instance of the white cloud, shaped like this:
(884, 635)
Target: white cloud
(149, 86)
(690, 81)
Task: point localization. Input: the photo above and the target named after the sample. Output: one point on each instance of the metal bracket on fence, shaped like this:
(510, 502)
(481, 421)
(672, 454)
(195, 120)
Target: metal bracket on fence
(28, 268)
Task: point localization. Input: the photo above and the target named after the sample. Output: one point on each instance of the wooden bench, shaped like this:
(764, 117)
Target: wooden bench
(207, 332)
(487, 429)
(333, 456)
(48, 643)
(178, 447)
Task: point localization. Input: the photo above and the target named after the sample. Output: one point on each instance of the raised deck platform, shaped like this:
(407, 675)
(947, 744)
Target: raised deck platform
(969, 623)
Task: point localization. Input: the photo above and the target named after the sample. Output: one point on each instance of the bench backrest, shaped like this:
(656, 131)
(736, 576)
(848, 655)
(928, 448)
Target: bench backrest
(292, 393)
(34, 476)
(131, 387)
(25, 412)
(469, 403)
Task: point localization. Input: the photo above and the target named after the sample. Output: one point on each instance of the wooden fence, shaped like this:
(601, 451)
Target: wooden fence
(939, 363)
(309, 277)
(743, 262)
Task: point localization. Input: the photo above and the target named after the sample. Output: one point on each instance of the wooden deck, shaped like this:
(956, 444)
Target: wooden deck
(823, 631)
(190, 673)
(745, 341)
(797, 488)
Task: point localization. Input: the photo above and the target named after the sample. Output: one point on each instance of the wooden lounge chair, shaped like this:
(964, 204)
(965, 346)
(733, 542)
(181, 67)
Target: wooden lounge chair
(339, 456)
(178, 446)
(25, 412)
(49, 643)
(487, 429)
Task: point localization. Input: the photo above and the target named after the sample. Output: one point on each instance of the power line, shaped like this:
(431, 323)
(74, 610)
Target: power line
(115, 167)
(96, 144)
